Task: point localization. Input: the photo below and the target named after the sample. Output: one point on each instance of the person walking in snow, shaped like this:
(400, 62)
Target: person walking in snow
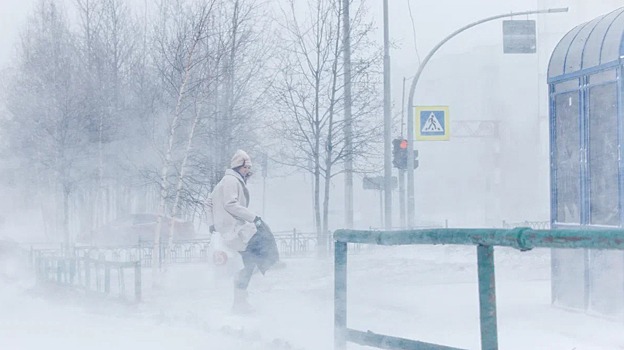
(240, 229)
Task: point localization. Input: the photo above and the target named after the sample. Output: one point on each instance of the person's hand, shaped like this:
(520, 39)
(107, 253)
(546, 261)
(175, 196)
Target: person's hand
(212, 229)
(258, 221)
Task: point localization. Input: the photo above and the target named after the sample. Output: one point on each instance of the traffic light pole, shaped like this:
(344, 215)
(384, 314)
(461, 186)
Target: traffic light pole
(387, 124)
(402, 197)
(348, 127)
(411, 212)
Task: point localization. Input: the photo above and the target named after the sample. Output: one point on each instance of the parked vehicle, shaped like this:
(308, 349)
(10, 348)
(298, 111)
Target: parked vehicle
(135, 228)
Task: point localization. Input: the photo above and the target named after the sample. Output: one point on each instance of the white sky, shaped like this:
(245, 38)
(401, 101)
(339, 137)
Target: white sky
(13, 15)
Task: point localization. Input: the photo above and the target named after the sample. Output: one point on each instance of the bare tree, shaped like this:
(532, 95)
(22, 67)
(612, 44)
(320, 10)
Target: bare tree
(126, 117)
(179, 46)
(308, 97)
(46, 130)
(107, 40)
(232, 78)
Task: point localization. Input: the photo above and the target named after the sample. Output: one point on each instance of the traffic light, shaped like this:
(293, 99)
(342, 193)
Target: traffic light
(399, 153)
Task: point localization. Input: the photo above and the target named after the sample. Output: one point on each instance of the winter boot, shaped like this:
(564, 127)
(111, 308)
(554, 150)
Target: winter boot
(241, 305)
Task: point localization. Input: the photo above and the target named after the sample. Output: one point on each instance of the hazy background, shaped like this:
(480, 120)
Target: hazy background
(467, 181)
(419, 292)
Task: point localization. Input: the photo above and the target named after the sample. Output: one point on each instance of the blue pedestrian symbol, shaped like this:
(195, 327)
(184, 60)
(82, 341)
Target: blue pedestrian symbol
(432, 124)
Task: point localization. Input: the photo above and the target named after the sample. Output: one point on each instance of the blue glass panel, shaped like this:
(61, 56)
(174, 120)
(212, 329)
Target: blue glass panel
(574, 58)
(613, 39)
(591, 56)
(604, 76)
(603, 155)
(557, 59)
(567, 158)
(567, 85)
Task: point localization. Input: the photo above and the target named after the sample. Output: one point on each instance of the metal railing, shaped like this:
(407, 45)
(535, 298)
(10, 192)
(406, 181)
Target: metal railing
(186, 251)
(485, 240)
(536, 225)
(300, 244)
(90, 275)
(296, 243)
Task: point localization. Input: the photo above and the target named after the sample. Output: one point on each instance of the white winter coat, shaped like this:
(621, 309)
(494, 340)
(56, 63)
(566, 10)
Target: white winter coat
(227, 211)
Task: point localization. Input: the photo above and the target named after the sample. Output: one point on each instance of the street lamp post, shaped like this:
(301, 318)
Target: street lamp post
(348, 127)
(410, 103)
(387, 124)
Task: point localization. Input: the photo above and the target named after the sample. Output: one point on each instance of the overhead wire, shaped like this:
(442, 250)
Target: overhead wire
(409, 8)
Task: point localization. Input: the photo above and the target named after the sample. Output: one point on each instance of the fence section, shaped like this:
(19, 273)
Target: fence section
(536, 225)
(484, 239)
(187, 251)
(109, 278)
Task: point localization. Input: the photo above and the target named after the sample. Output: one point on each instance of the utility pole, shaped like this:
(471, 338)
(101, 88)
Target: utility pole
(387, 123)
(411, 212)
(401, 171)
(348, 128)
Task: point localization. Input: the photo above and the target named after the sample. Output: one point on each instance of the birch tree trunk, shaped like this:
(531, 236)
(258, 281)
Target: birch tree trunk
(180, 181)
(197, 36)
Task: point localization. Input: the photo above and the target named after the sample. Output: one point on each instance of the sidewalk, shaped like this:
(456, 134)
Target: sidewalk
(423, 294)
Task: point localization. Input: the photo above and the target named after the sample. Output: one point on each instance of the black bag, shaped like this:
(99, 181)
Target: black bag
(262, 249)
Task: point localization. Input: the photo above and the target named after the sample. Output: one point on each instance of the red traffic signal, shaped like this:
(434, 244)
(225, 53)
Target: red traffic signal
(399, 154)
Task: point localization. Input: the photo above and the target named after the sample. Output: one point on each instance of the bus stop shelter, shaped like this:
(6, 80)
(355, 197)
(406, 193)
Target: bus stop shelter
(587, 169)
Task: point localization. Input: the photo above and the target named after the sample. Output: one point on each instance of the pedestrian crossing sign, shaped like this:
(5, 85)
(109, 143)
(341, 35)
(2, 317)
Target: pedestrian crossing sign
(432, 123)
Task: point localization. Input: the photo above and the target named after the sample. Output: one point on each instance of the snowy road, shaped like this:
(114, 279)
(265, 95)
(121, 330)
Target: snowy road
(422, 293)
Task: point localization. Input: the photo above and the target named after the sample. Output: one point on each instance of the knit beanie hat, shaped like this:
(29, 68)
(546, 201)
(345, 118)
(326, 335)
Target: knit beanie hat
(240, 158)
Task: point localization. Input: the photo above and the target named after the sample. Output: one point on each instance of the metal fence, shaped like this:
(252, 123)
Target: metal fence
(291, 244)
(92, 276)
(485, 240)
(186, 251)
(302, 244)
(536, 225)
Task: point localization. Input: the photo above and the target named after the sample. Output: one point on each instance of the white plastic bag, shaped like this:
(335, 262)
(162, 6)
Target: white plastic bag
(224, 261)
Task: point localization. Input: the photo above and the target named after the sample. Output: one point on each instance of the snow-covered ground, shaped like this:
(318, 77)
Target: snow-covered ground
(423, 293)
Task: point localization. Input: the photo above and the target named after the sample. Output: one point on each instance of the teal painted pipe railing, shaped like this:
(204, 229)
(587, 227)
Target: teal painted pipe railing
(522, 238)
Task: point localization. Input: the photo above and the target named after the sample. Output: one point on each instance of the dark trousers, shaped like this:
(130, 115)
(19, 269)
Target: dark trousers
(261, 251)
(244, 276)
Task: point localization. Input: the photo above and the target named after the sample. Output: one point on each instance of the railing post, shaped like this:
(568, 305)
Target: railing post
(59, 271)
(31, 256)
(78, 271)
(107, 279)
(340, 295)
(98, 274)
(137, 281)
(293, 248)
(72, 269)
(487, 297)
(122, 281)
(38, 269)
(87, 267)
